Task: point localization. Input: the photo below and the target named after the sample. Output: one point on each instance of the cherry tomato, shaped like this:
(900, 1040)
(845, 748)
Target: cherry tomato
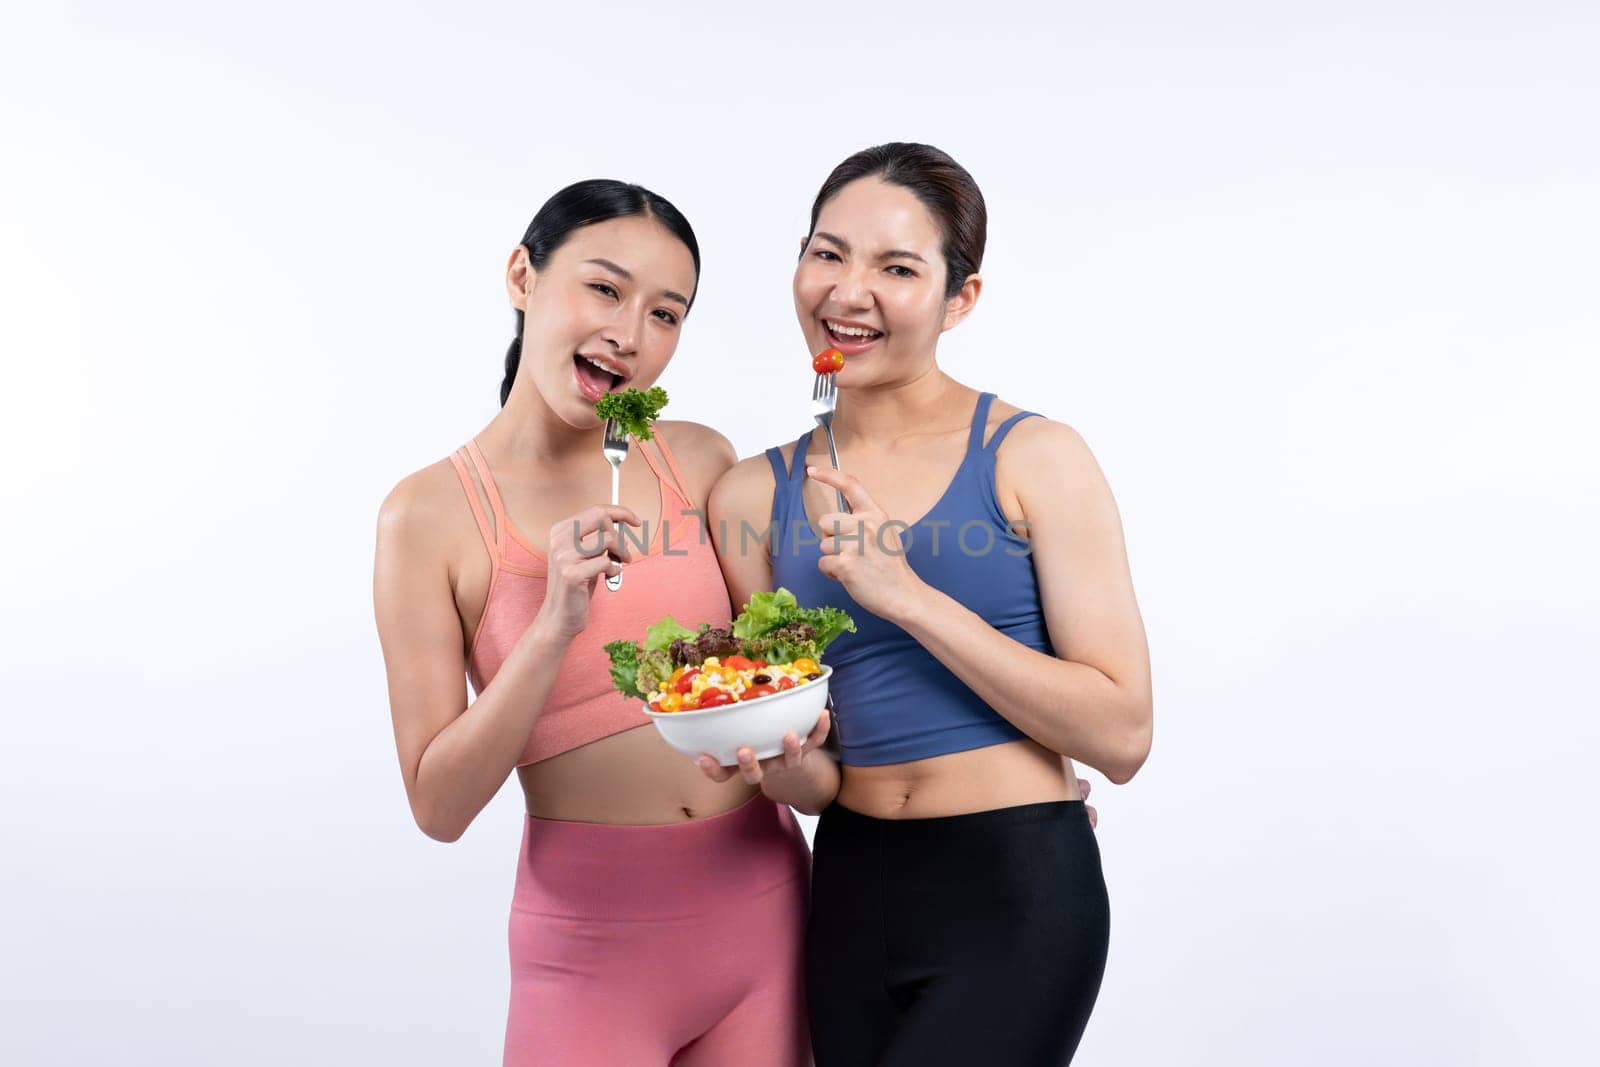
(686, 683)
(655, 705)
(715, 698)
(828, 361)
(689, 704)
(738, 663)
(760, 663)
(757, 691)
(785, 683)
(805, 665)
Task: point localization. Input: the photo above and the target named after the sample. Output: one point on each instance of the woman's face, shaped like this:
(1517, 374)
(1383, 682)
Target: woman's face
(871, 283)
(603, 314)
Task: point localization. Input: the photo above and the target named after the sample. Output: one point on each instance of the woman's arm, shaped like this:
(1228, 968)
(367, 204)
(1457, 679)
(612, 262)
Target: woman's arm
(454, 758)
(739, 514)
(1092, 700)
(803, 777)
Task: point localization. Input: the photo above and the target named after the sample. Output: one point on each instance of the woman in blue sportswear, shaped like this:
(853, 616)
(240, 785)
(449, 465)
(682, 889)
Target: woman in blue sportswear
(959, 913)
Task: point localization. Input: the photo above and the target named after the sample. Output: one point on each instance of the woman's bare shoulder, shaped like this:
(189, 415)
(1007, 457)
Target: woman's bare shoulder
(698, 438)
(745, 490)
(426, 511)
(1036, 436)
(703, 454)
(1043, 459)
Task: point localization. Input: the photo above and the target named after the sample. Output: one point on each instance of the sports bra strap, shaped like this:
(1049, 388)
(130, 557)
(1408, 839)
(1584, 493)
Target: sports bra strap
(471, 489)
(780, 474)
(797, 462)
(1005, 428)
(496, 505)
(980, 419)
(672, 465)
(675, 483)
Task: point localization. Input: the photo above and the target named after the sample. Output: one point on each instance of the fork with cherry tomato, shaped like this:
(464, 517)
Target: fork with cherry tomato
(824, 398)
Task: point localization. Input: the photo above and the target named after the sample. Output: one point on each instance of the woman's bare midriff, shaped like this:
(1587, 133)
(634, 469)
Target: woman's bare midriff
(632, 778)
(980, 779)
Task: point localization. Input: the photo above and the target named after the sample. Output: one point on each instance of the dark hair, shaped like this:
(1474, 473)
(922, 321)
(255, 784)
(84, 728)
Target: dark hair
(945, 189)
(584, 204)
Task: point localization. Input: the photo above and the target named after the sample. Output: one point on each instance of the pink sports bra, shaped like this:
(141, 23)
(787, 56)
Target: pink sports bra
(679, 576)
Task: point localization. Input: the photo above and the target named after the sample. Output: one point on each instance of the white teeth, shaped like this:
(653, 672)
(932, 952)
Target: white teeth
(597, 363)
(852, 331)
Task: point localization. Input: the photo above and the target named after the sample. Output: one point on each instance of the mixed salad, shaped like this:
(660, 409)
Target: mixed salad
(634, 409)
(774, 645)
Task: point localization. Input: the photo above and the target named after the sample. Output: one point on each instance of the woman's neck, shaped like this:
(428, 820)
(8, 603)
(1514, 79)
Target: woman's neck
(881, 415)
(526, 430)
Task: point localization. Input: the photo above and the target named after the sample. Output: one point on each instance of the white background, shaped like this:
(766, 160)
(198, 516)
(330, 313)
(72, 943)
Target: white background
(1318, 286)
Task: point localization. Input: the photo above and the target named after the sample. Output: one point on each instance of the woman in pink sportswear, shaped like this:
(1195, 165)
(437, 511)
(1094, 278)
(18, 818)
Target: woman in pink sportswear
(657, 917)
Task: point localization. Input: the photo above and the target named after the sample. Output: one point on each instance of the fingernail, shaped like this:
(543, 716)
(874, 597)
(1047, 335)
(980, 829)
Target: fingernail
(811, 470)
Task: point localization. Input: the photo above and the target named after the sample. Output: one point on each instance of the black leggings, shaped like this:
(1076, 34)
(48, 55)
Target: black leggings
(971, 939)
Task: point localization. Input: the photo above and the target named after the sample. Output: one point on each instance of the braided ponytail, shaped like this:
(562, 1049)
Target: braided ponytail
(513, 357)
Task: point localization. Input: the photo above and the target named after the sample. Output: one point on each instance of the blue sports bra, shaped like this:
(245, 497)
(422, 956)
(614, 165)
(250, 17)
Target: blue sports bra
(893, 701)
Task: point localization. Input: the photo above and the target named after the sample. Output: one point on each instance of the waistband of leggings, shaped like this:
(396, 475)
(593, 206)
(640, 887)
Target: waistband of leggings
(603, 870)
(994, 820)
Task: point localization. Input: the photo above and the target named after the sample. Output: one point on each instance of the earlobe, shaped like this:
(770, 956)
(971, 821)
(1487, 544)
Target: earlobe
(960, 306)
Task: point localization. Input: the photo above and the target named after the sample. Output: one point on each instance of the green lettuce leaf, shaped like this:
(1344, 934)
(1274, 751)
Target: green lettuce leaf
(662, 634)
(764, 613)
(634, 410)
(625, 668)
(767, 627)
(655, 667)
(780, 646)
(829, 624)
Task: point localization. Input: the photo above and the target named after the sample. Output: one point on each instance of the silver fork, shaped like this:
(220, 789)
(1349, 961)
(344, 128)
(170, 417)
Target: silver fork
(824, 398)
(615, 447)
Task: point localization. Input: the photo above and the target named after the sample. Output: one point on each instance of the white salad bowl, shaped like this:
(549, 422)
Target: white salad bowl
(759, 724)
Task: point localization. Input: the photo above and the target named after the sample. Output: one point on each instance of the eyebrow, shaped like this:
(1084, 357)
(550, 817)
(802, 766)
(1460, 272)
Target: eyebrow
(627, 276)
(893, 253)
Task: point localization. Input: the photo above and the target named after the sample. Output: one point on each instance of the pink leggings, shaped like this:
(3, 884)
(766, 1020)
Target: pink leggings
(650, 946)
